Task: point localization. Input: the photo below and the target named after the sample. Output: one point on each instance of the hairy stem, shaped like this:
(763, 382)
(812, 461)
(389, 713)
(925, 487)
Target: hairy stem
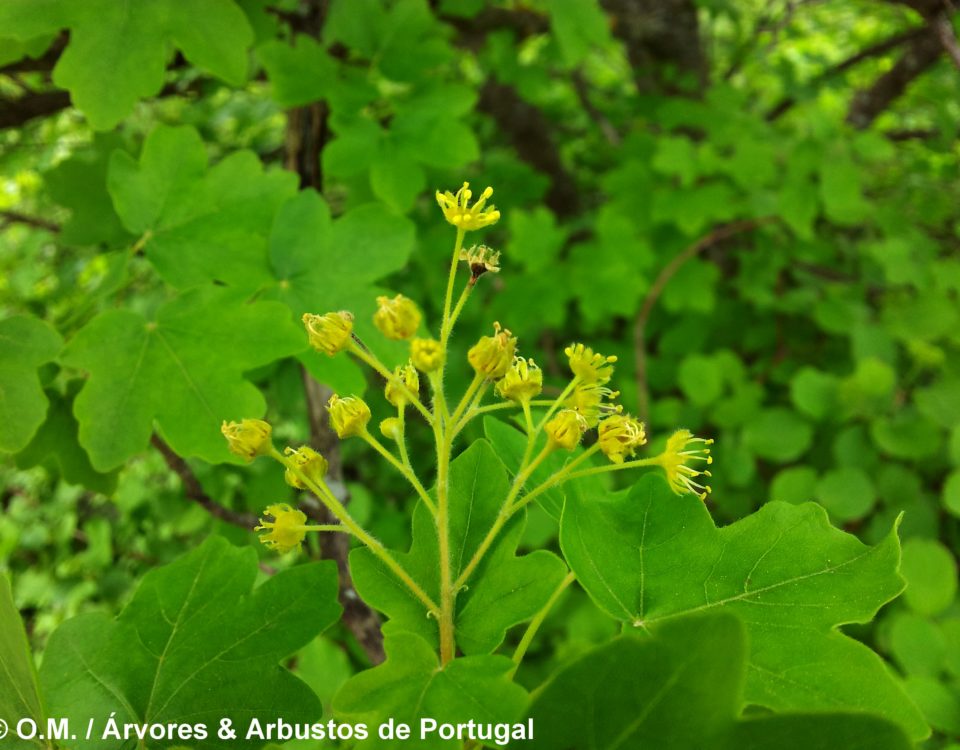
(380, 368)
(402, 467)
(325, 496)
(537, 621)
(506, 512)
(446, 325)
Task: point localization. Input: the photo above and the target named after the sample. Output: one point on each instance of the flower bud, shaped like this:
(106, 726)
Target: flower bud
(348, 416)
(310, 463)
(522, 382)
(329, 333)
(392, 429)
(426, 354)
(287, 529)
(565, 430)
(620, 436)
(397, 318)
(407, 376)
(491, 356)
(248, 438)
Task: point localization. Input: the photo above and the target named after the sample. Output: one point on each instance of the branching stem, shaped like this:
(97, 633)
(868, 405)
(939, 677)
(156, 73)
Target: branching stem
(325, 496)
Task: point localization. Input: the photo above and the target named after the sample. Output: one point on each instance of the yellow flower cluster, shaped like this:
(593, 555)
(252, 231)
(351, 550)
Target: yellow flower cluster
(586, 403)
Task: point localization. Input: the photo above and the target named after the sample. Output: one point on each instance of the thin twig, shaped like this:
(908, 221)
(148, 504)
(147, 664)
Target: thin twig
(16, 217)
(194, 491)
(640, 324)
(948, 38)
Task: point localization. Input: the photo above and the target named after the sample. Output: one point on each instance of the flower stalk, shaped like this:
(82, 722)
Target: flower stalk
(559, 427)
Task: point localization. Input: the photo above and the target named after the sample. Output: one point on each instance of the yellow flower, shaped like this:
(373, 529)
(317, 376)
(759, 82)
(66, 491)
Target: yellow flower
(683, 447)
(348, 416)
(588, 366)
(565, 430)
(620, 436)
(522, 382)
(491, 356)
(392, 429)
(311, 463)
(247, 438)
(407, 376)
(481, 260)
(397, 318)
(329, 333)
(458, 211)
(287, 529)
(587, 400)
(426, 354)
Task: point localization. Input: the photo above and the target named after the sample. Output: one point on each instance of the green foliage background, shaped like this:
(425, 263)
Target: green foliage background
(736, 206)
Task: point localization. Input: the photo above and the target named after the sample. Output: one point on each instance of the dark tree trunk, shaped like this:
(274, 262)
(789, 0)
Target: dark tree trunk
(663, 44)
(307, 134)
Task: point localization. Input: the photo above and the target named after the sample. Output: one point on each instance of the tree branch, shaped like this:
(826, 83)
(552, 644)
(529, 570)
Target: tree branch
(529, 132)
(10, 216)
(662, 38)
(358, 617)
(307, 135)
(43, 64)
(874, 50)
(17, 112)
(948, 38)
(668, 272)
(193, 491)
(920, 55)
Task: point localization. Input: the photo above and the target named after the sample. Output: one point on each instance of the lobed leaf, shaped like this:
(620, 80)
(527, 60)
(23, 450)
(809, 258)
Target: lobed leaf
(651, 556)
(183, 369)
(411, 685)
(194, 645)
(25, 344)
(19, 695)
(118, 51)
(681, 690)
(203, 224)
(504, 590)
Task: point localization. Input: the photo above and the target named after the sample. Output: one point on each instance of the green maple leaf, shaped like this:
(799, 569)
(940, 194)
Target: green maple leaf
(194, 645)
(681, 690)
(25, 344)
(411, 685)
(649, 556)
(183, 370)
(200, 224)
(56, 443)
(80, 184)
(318, 265)
(119, 49)
(19, 695)
(503, 591)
